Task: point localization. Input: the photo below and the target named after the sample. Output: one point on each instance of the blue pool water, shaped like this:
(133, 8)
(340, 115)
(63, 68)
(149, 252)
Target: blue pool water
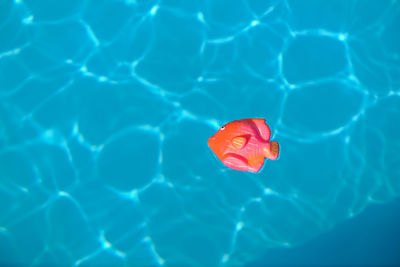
(106, 108)
(369, 239)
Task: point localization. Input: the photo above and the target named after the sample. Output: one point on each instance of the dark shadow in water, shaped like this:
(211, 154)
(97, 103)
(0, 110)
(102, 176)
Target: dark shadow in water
(370, 239)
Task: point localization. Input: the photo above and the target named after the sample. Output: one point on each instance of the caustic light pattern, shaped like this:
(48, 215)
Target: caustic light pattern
(106, 108)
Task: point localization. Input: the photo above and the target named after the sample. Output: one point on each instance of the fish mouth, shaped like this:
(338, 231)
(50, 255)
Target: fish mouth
(211, 141)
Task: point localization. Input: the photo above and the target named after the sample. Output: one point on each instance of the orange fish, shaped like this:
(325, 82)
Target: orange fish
(244, 144)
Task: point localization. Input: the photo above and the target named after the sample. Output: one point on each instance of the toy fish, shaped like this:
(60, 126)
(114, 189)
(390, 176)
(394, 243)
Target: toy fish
(244, 144)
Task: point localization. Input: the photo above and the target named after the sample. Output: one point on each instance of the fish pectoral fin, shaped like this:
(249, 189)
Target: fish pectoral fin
(239, 142)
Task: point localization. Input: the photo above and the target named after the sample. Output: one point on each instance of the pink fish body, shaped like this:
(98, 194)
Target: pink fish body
(244, 144)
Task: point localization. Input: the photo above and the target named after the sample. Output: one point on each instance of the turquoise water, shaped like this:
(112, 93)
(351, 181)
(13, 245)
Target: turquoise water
(106, 108)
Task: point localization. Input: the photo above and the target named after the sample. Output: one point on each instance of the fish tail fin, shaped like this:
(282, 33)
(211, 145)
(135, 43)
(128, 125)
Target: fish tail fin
(272, 150)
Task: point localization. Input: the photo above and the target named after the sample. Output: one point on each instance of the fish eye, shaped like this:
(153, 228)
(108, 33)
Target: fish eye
(223, 127)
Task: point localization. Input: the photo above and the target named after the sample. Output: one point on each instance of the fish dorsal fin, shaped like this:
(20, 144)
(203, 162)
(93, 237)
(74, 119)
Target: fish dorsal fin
(263, 128)
(240, 141)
